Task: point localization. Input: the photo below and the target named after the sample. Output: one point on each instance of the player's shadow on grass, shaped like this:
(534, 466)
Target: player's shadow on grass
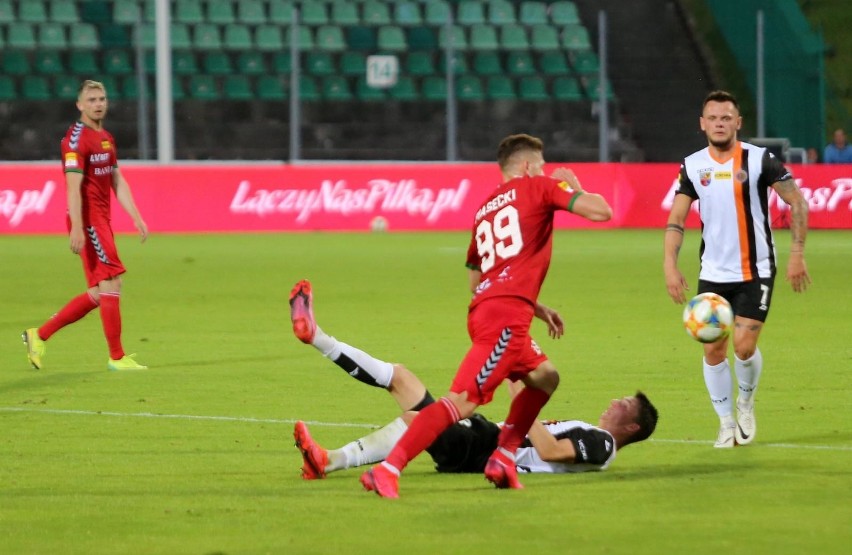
(37, 379)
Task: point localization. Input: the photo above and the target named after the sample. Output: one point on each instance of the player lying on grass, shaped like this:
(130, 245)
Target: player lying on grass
(551, 446)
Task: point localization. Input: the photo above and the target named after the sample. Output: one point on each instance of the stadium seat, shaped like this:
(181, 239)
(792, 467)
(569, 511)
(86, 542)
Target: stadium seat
(149, 11)
(313, 13)
(217, 63)
(113, 36)
(63, 11)
(85, 36)
(501, 12)
(532, 88)
(21, 35)
(487, 63)
(179, 34)
(567, 88)
(271, 87)
(458, 35)
(268, 38)
(7, 87)
(434, 88)
(126, 13)
(251, 12)
(554, 63)
(32, 11)
(35, 87)
(96, 12)
(353, 64)
(110, 83)
(330, 37)
(15, 62)
(564, 13)
(533, 13)
(436, 12)
(391, 38)
(220, 12)
(203, 87)
(2, 39)
(514, 37)
(183, 62)
(421, 38)
(237, 37)
(336, 88)
(308, 90)
(282, 63)
(320, 63)
(407, 13)
(188, 11)
(367, 93)
(576, 37)
(238, 87)
(520, 63)
(469, 87)
(280, 12)
(206, 36)
(345, 12)
(592, 85)
(305, 38)
(500, 87)
(7, 15)
(585, 61)
(419, 63)
(470, 12)
(459, 63)
(117, 62)
(251, 62)
(84, 62)
(361, 38)
(52, 35)
(483, 37)
(65, 87)
(405, 89)
(48, 62)
(544, 37)
(374, 12)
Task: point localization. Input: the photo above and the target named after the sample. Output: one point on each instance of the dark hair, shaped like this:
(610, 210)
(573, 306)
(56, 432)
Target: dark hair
(646, 418)
(720, 96)
(517, 143)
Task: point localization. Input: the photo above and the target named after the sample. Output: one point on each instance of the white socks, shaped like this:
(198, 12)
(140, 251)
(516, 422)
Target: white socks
(355, 362)
(370, 449)
(719, 386)
(748, 376)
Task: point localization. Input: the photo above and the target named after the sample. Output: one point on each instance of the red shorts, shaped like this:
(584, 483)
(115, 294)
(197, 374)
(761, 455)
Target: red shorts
(99, 255)
(502, 348)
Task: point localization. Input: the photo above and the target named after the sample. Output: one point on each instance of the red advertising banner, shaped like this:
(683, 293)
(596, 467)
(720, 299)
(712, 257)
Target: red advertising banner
(351, 197)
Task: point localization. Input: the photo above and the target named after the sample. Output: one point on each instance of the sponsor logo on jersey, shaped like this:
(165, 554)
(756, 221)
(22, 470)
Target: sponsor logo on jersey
(106, 145)
(722, 175)
(564, 186)
(106, 170)
(71, 160)
(742, 176)
(705, 176)
(99, 157)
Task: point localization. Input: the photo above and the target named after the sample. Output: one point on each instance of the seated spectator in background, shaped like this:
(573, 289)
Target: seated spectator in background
(838, 151)
(812, 156)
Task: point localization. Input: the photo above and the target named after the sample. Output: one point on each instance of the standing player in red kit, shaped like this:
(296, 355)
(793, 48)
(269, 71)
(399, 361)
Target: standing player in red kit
(508, 258)
(91, 171)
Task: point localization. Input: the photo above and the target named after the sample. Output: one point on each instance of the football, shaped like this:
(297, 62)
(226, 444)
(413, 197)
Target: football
(708, 318)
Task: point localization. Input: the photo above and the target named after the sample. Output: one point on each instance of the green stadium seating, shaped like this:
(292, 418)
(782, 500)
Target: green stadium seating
(220, 12)
(282, 63)
(336, 88)
(405, 89)
(320, 63)
(52, 35)
(436, 12)
(179, 35)
(95, 11)
(305, 38)
(554, 63)
(217, 63)
(237, 37)
(420, 63)
(308, 89)
(65, 87)
(238, 87)
(533, 88)
(149, 11)
(391, 38)
(533, 13)
(345, 12)
(271, 87)
(421, 38)
(520, 63)
(251, 62)
(251, 12)
(280, 12)
(206, 36)
(361, 38)
(313, 12)
(83, 62)
(544, 37)
(353, 64)
(487, 63)
(32, 11)
(63, 11)
(483, 37)
(48, 62)
(576, 37)
(469, 87)
(126, 13)
(117, 62)
(21, 35)
(567, 88)
(459, 63)
(7, 88)
(183, 62)
(330, 37)
(407, 13)
(458, 35)
(592, 85)
(501, 12)
(514, 37)
(113, 36)
(35, 87)
(203, 87)
(188, 11)
(470, 12)
(110, 83)
(500, 87)
(374, 12)
(564, 13)
(434, 88)
(585, 61)
(85, 36)
(367, 93)
(269, 38)
(7, 14)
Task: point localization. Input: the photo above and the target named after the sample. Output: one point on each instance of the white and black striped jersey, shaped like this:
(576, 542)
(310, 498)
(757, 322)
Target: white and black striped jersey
(733, 197)
(594, 447)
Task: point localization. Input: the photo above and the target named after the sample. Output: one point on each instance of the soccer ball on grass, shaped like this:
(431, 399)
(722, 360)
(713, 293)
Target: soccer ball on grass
(708, 318)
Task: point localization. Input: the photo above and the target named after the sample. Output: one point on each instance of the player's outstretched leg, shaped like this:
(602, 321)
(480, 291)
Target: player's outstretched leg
(381, 480)
(315, 457)
(35, 347)
(500, 470)
(301, 311)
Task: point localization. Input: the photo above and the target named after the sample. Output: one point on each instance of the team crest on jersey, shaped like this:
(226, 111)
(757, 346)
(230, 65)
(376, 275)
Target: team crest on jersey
(106, 145)
(71, 160)
(705, 177)
(742, 176)
(563, 185)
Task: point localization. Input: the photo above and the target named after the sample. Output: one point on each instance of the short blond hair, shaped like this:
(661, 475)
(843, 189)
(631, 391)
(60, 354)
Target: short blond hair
(90, 84)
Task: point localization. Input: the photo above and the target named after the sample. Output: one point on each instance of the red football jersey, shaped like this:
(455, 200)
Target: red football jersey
(513, 236)
(92, 153)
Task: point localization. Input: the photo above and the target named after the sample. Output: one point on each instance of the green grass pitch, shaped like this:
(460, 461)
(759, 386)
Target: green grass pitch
(195, 456)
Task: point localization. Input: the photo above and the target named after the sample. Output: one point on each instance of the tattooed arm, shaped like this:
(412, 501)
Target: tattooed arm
(797, 271)
(675, 282)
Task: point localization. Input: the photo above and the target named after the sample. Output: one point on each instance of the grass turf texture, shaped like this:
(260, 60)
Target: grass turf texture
(196, 455)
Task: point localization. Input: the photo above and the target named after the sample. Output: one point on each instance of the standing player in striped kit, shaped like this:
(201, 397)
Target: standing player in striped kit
(731, 181)
(508, 258)
(90, 164)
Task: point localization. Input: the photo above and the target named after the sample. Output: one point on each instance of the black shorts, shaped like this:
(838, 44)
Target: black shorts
(749, 299)
(465, 446)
